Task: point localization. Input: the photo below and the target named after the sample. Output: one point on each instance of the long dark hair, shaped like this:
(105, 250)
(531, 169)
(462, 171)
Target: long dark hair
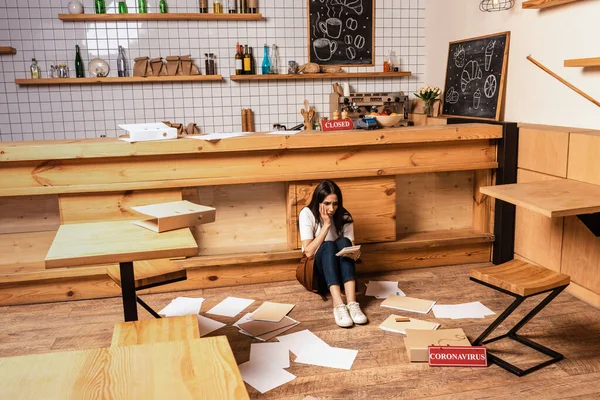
(341, 216)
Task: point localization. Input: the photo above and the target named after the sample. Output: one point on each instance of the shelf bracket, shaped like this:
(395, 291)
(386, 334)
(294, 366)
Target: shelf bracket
(592, 222)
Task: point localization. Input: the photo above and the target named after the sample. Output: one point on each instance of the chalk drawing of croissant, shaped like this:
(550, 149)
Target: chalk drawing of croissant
(471, 72)
(354, 5)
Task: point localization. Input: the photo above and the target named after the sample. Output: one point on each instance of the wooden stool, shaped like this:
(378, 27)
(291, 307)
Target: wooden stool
(520, 280)
(156, 331)
(150, 274)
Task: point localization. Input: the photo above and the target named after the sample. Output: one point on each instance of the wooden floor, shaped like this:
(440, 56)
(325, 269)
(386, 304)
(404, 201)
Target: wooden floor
(381, 370)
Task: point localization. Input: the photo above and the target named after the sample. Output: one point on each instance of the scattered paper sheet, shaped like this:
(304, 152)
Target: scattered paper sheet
(258, 328)
(331, 357)
(182, 306)
(270, 335)
(208, 325)
(245, 318)
(408, 304)
(295, 342)
(391, 325)
(230, 307)
(283, 132)
(271, 312)
(275, 354)
(460, 311)
(219, 136)
(264, 377)
(382, 289)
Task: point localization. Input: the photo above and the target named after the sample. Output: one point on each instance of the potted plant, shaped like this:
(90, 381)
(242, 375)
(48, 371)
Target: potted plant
(428, 94)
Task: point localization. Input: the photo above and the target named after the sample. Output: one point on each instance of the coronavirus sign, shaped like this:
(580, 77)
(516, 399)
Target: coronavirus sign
(337, 125)
(457, 356)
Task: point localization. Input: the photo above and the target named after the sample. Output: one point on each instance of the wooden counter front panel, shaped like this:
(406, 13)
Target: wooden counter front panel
(116, 174)
(370, 201)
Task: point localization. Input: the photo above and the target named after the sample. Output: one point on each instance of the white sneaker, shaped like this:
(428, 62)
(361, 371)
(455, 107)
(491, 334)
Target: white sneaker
(356, 313)
(342, 318)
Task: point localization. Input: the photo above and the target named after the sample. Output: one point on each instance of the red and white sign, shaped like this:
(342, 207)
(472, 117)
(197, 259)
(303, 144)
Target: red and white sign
(457, 356)
(337, 125)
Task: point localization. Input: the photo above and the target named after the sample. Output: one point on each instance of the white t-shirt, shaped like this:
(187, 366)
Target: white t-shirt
(309, 228)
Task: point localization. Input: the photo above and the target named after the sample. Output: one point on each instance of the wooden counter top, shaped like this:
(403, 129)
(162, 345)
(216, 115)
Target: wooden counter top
(113, 147)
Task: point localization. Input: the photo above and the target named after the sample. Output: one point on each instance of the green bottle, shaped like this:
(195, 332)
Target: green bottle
(142, 7)
(100, 7)
(122, 7)
(163, 7)
(78, 64)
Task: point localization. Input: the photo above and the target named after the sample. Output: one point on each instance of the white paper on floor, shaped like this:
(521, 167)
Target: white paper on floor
(462, 311)
(230, 307)
(382, 289)
(263, 376)
(276, 354)
(310, 349)
(245, 318)
(207, 325)
(182, 306)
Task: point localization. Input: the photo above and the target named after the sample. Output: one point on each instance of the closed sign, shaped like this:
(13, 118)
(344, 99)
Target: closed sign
(338, 125)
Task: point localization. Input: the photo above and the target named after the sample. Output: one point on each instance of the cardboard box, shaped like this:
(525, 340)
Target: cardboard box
(175, 215)
(418, 341)
(148, 132)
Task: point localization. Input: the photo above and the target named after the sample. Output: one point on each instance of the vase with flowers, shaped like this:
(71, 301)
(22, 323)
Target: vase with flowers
(428, 94)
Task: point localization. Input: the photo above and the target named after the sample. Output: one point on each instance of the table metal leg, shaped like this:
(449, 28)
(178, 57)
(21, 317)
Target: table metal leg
(128, 291)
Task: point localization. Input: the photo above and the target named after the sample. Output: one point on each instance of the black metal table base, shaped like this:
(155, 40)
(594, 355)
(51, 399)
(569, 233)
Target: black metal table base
(512, 333)
(128, 291)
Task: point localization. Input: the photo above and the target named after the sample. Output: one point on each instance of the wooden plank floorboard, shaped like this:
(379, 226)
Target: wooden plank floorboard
(381, 369)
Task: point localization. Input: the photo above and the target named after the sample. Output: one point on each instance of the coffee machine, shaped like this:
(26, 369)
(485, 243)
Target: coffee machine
(361, 104)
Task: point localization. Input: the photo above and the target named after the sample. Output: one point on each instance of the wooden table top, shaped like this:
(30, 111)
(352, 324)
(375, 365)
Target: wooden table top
(554, 198)
(115, 241)
(195, 369)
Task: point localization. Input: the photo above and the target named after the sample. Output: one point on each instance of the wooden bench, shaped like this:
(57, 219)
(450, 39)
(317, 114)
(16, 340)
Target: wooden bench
(520, 280)
(155, 331)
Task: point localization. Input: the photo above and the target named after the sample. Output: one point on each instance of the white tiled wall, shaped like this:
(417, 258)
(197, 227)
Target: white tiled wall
(71, 111)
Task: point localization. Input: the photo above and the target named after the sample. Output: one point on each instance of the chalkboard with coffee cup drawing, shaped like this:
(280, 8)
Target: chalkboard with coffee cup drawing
(475, 76)
(341, 32)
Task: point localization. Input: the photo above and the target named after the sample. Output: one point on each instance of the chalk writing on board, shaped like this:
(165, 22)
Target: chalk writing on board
(341, 31)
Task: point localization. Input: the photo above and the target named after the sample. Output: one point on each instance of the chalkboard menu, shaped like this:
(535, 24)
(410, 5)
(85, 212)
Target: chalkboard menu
(341, 32)
(475, 77)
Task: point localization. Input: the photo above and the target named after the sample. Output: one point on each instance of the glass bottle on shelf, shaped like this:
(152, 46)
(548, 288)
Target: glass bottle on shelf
(163, 7)
(100, 6)
(206, 64)
(266, 63)
(244, 6)
(203, 6)
(211, 64)
(386, 65)
(252, 62)
(247, 62)
(252, 6)
(274, 60)
(121, 63)
(122, 7)
(78, 63)
(36, 73)
(217, 7)
(232, 6)
(142, 7)
(239, 60)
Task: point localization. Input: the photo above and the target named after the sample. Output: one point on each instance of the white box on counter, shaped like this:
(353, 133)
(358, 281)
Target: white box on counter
(147, 132)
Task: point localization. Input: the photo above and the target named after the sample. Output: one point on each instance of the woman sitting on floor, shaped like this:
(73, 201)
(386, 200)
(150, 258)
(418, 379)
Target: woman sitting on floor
(326, 227)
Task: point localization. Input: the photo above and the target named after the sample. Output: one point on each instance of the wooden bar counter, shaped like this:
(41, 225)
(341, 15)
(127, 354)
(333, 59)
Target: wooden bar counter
(412, 192)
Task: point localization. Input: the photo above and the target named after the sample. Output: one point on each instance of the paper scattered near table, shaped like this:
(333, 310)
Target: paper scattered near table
(382, 289)
(276, 354)
(271, 312)
(462, 311)
(245, 318)
(230, 307)
(264, 377)
(391, 325)
(207, 325)
(408, 304)
(295, 342)
(219, 136)
(182, 306)
(264, 331)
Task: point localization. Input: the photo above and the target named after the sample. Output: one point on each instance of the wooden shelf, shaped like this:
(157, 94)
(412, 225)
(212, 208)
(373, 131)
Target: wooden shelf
(337, 75)
(158, 17)
(583, 62)
(7, 50)
(539, 4)
(115, 80)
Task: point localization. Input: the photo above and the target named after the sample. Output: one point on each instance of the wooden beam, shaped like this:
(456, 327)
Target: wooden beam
(115, 80)
(583, 62)
(336, 75)
(159, 17)
(7, 50)
(539, 4)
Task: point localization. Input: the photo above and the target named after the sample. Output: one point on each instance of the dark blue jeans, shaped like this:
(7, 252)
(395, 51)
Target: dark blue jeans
(333, 270)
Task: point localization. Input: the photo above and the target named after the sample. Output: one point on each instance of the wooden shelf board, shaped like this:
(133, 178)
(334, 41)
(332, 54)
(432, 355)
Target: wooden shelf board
(115, 80)
(583, 62)
(7, 50)
(158, 17)
(553, 198)
(539, 4)
(337, 75)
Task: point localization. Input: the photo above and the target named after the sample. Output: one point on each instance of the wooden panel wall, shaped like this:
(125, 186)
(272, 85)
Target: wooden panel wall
(371, 201)
(29, 214)
(544, 150)
(436, 201)
(584, 157)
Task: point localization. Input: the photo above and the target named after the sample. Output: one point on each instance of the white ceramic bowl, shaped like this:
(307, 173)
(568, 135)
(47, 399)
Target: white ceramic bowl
(387, 121)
